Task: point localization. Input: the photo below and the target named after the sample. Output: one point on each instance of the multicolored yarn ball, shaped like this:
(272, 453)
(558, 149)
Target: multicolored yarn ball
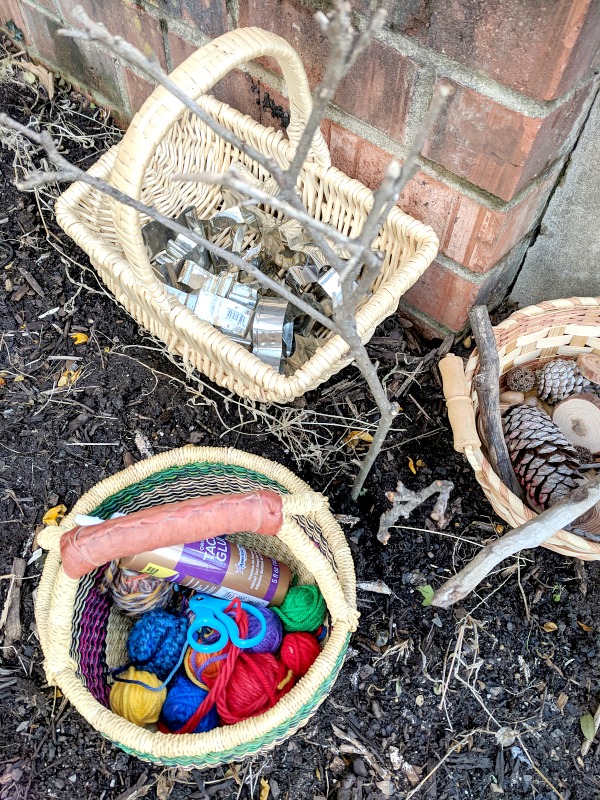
(303, 609)
(299, 651)
(258, 681)
(203, 667)
(134, 593)
(183, 699)
(273, 635)
(156, 642)
(136, 703)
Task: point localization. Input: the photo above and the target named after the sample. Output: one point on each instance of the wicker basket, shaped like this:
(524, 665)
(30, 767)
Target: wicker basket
(164, 138)
(82, 636)
(533, 336)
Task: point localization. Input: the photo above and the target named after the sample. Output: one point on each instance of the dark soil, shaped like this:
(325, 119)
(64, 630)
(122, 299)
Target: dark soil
(404, 711)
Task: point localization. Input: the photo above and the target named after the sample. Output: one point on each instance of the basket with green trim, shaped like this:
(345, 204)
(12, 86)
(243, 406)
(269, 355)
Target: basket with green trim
(83, 636)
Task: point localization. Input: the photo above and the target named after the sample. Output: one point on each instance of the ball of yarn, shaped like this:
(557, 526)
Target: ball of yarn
(303, 609)
(257, 682)
(137, 703)
(183, 699)
(299, 652)
(134, 593)
(273, 635)
(203, 667)
(156, 641)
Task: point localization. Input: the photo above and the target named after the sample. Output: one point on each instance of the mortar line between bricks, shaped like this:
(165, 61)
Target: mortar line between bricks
(432, 323)
(480, 83)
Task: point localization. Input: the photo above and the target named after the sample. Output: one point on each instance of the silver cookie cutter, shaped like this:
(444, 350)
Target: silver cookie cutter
(272, 331)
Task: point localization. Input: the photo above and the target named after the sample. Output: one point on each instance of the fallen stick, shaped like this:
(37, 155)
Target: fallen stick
(11, 613)
(487, 386)
(531, 534)
(404, 501)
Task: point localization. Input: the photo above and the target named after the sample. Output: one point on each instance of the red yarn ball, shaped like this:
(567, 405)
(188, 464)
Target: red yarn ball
(256, 684)
(299, 652)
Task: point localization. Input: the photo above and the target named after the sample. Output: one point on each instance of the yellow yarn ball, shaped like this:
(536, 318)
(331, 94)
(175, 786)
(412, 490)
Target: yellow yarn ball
(136, 703)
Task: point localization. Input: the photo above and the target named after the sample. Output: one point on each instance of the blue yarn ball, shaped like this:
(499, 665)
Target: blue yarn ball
(273, 635)
(156, 641)
(183, 698)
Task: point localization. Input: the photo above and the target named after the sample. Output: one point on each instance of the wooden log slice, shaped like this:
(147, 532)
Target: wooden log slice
(578, 417)
(590, 521)
(589, 366)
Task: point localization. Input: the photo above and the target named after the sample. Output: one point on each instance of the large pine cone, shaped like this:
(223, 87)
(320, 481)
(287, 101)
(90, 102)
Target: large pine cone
(558, 379)
(545, 462)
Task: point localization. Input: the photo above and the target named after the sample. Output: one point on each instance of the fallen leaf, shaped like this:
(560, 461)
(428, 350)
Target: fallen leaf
(79, 338)
(354, 438)
(561, 701)
(467, 342)
(499, 528)
(588, 727)
(2, 382)
(54, 515)
(264, 789)
(584, 627)
(33, 71)
(427, 592)
(19, 378)
(411, 465)
(549, 627)
(419, 462)
(496, 789)
(69, 377)
(419, 700)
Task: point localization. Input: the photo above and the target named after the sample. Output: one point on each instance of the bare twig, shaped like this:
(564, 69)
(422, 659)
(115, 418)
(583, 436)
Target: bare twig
(11, 614)
(531, 534)
(488, 390)
(404, 501)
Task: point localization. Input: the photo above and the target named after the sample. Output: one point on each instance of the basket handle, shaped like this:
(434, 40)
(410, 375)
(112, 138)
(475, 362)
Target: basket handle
(85, 548)
(196, 76)
(458, 402)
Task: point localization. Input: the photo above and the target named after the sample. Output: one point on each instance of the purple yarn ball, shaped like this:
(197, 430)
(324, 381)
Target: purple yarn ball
(273, 635)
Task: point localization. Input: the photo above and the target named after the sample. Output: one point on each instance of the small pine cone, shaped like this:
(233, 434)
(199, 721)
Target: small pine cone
(585, 456)
(520, 379)
(544, 461)
(559, 379)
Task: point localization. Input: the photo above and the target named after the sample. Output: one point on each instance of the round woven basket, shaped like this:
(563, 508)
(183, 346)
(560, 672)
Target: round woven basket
(534, 336)
(164, 139)
(82, 636)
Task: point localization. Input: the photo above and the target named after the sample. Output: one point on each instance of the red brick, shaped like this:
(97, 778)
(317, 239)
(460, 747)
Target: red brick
(138, 89)
(208, 16)
(498, 149)
(372, 163)
(343, 147)
(180, 48)
(90, 67)
(378, 89)
(10, 15)
(444, 295)
(125, 18)
(542, 49)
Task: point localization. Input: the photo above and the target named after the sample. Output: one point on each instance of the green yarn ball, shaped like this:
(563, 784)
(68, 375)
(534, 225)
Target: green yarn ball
(303, 609)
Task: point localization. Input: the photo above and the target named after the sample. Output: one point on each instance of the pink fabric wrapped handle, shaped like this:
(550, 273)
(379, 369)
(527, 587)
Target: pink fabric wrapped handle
(85, 548)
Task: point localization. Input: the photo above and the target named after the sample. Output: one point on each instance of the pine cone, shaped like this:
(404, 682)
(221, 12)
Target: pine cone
(545, 462)
(520, 379)
(558, 379)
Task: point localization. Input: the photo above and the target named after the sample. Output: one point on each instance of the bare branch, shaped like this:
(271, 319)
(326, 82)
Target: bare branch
(404, 501)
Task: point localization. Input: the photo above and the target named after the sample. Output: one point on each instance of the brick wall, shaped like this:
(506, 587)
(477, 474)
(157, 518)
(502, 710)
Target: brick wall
(523, 72)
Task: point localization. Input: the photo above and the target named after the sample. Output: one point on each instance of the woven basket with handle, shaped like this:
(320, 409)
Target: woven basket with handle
(82, 636)
(532, 336)
(164, 139)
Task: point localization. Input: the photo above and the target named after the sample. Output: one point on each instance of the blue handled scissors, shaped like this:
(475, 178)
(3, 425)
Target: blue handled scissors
(210, 613)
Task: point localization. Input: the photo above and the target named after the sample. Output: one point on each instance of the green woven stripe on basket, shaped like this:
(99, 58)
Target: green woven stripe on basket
(182, 482)
(278, 733)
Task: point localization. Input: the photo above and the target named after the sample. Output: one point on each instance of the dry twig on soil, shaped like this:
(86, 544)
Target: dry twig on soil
(404, 501)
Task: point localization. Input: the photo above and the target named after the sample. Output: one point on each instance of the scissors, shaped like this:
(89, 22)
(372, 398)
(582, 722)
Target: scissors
(210, 613)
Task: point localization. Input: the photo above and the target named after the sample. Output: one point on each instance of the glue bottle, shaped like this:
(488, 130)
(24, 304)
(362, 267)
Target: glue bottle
(219, 567)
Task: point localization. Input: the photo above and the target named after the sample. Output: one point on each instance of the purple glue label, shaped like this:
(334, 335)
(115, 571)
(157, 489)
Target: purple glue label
(206, 561)
(274, 582)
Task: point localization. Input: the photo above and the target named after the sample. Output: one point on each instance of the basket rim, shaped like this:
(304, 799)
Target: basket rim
(534, 318)
(236, 740)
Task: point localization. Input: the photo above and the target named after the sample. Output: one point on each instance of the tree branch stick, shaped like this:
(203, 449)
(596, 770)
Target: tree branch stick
(404, 501)
(487, 385)
(531, 534)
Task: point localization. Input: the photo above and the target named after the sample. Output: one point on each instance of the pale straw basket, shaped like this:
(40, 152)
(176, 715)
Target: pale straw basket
(82, 636)
(163, 139)
(532, 336)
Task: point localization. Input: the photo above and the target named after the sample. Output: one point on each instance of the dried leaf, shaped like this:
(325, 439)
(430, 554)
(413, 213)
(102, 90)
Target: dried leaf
(2, 382)
(264, 789)
(588, 727)
(562, 701)
(419, 462)
(411, 465)
(19, 378)
(354, 438)
(54, 515)
(79, 338)
(584, 627)
(427, 592)
(33, 71)
(467, 342)
(549, 627)
(69, 377)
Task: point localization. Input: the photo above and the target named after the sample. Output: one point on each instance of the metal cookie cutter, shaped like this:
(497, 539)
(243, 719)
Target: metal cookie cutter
(210, 613)
(272, 331)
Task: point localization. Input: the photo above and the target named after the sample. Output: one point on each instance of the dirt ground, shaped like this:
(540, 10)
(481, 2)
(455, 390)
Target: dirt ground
(488, 697)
